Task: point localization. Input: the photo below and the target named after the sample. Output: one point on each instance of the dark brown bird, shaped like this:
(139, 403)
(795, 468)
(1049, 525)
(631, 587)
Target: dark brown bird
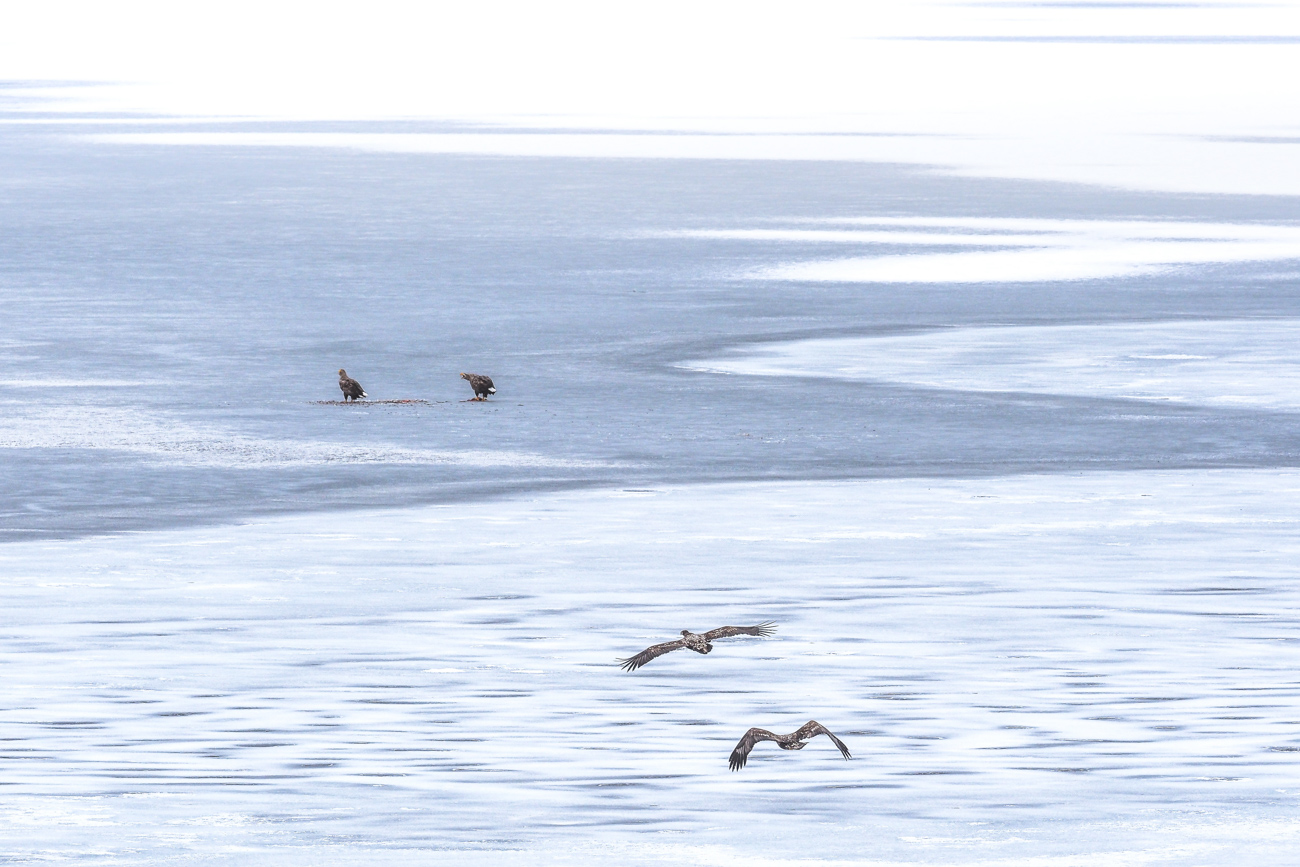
(482, 385)
(352, 389)
(792, 741)
(700, 643)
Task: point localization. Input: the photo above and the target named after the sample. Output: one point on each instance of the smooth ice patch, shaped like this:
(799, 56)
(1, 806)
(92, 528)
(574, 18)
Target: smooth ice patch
(75, 383)
(1174, 160)
(1015, 250)
(1240, 363)
(175, 442)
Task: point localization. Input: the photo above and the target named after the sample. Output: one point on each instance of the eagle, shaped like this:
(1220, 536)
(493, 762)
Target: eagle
(792, 741)
(352, 389)
(482, 385)
(700, 643)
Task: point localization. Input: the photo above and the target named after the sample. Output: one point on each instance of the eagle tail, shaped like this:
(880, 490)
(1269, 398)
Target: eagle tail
(492, 391)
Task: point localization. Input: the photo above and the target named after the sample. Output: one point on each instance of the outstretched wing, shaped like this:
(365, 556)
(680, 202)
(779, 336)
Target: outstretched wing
(740, 754)
(650, 653)
(813, 728)
(762, 630)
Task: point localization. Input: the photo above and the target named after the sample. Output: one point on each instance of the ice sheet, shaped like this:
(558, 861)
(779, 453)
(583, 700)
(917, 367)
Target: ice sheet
(1029, 670)
(1246, 159)
(1019, 250)
(172, 442)
(1239, 363)
(1170, 96)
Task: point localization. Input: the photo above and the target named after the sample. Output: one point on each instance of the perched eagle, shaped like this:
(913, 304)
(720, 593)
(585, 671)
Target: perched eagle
(352, 389)
(792, 741)
(482, 385)
(701, 643)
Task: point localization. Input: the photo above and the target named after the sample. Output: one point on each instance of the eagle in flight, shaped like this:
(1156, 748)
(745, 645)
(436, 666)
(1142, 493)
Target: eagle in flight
(792, 741)
(700, 643)
(352, 389)
(481, 384)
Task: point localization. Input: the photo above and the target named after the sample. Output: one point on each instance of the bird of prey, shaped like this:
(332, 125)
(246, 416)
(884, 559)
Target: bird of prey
(700, 643)
(352, 389)
(482, 385)
(792, 741)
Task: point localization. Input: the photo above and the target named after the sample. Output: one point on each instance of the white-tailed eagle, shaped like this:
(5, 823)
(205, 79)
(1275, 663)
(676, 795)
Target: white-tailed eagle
(352, 389)
(481, 384)
(700, 643)
(792, 741)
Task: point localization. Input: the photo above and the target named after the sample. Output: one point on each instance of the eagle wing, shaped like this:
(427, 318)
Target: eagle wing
(658, 650)
(762, 630)
(812, 729)
(740, 754)
(352, 388)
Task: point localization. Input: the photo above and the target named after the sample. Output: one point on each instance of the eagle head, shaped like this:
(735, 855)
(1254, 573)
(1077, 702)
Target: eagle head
(342, 372)
(464, 376)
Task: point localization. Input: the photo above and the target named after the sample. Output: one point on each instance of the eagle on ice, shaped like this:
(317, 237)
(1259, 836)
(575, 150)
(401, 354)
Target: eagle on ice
(793, 741)
(352, 389)
(481, 384)
(700, 643)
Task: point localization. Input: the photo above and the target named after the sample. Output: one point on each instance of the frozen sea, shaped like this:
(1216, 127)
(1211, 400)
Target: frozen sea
(1012, 463)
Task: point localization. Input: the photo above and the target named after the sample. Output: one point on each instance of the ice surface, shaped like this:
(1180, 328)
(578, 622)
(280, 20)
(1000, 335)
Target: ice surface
(171, 441)
(1056, 669)
(1240, 363)
(1171, 96)
(1254, 160)
(231, 285)
(1021, 250)
(75, 383)
(1071, 668)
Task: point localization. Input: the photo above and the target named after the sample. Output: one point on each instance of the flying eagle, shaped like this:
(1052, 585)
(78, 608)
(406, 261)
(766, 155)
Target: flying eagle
(700, 643)
(352, 389)
(482, 385)
(792, 741)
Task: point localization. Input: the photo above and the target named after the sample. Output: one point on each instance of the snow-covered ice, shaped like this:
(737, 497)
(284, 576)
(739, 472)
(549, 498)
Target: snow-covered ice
(1240, 363)
(1029, 669)
(1016, 250)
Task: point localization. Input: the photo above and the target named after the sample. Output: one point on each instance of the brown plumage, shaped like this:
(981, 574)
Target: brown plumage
(482, 385)
(792, 741)
(700, 643)
(352, 389)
